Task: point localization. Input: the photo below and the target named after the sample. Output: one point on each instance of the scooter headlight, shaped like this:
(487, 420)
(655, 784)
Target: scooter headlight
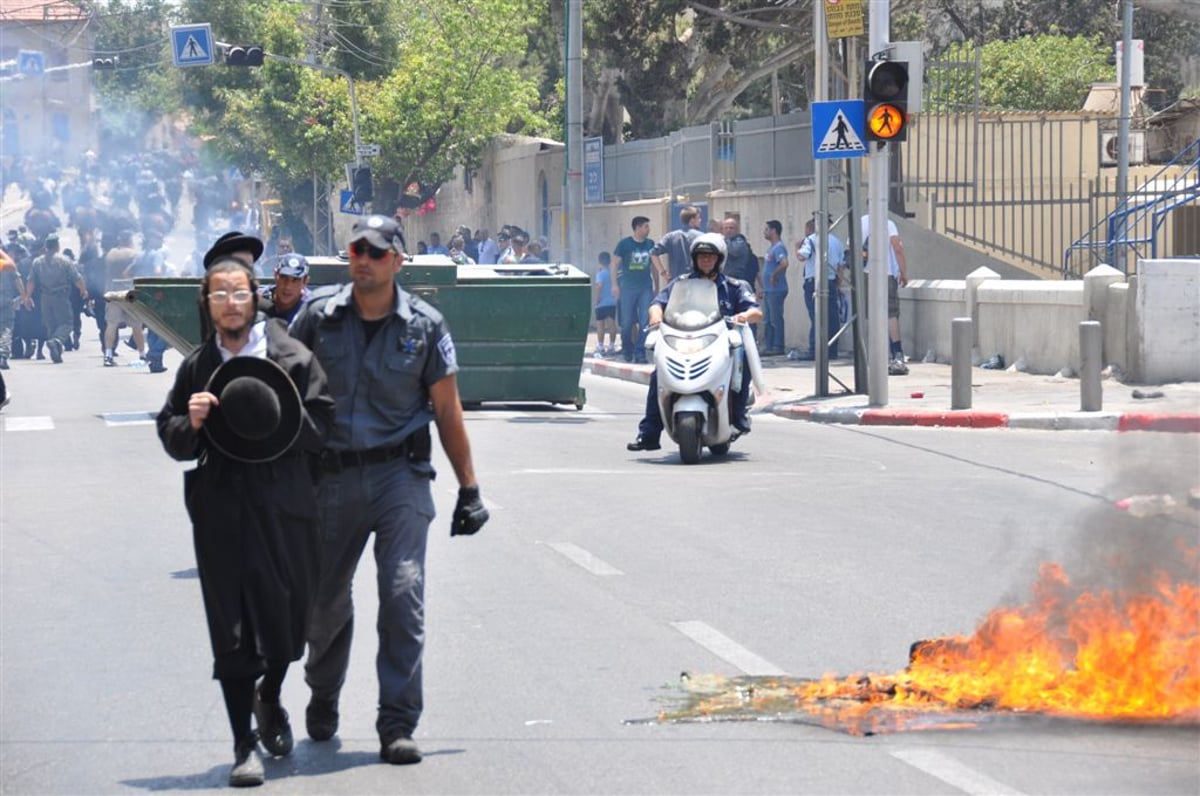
(690, 345)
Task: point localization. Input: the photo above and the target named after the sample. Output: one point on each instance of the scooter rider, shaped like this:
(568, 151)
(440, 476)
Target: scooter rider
(736, 299)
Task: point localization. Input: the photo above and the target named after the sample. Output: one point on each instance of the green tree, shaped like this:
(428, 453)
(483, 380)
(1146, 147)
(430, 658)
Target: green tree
(132, 96)
(1031, 73)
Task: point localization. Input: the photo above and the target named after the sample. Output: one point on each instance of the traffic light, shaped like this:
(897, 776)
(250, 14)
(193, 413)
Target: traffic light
(885, 100)
(105, 63)
(244, 55)
(363, 187)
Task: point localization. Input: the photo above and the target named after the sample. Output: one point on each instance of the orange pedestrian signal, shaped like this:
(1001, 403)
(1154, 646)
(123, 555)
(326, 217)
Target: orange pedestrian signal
(885, 122)
(885, 100)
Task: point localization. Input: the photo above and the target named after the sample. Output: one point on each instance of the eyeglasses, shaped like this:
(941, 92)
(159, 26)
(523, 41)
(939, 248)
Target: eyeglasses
(359, 247)
(237, 296)
(501, 237)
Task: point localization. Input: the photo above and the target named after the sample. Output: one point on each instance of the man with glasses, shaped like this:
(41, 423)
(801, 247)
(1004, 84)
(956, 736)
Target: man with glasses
(389, 357)
(254, 511)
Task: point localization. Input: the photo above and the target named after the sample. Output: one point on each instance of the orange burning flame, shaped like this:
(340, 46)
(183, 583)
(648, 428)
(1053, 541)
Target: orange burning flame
(1098, 655)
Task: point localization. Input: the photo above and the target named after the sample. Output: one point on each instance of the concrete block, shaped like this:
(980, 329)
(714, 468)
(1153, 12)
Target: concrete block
(1095, 290)
(1168, 317)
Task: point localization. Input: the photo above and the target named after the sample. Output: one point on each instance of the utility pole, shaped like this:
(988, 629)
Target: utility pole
(821, 256)
(878, 241)
(1126, 77)
(572, 242)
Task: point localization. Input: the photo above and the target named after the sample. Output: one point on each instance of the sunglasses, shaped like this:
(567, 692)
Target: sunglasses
(360, 248)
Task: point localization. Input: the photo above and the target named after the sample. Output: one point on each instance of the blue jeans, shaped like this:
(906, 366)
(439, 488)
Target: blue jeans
(831, 316)
(651, 425)
(155, 347)
(396, 503)
(773, 321)
(634, 306)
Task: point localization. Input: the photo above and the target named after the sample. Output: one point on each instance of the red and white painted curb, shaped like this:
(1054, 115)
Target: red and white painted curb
(962, 418)
(973, 418)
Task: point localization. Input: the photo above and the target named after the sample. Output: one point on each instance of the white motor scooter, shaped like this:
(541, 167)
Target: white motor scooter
(699, 360)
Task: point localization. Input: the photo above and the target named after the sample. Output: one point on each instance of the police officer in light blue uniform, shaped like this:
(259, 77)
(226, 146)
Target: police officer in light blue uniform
(809, 253)
(391, 367)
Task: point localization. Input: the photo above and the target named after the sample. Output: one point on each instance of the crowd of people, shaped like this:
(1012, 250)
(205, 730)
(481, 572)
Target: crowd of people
(120, 213)
(511, 245)
(629, 278)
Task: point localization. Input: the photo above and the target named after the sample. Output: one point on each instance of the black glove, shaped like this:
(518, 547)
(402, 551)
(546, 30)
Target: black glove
(469, 513)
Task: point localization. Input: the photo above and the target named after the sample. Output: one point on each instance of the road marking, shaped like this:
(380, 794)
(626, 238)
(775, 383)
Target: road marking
(29, 423)
(584, 559)
(571, 471)
(954, 773)
(128, 418)
(727, 649)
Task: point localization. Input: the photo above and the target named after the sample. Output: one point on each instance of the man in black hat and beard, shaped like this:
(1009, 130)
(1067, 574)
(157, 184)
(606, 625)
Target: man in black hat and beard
(252, 406)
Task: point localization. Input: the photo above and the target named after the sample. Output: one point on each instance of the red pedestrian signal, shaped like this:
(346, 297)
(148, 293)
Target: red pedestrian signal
(885, 100)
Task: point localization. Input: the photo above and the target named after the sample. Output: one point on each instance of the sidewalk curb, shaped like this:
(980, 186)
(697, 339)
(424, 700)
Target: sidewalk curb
(962, 418)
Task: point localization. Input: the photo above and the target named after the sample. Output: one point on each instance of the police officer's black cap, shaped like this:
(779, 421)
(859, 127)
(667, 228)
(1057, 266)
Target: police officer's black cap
(230, 243)
(381, 232)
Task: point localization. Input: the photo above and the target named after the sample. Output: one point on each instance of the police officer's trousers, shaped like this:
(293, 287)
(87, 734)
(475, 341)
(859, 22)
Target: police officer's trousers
(396, 503)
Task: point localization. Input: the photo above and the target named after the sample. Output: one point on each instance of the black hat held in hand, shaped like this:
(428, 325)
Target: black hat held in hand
(232, 242)
(259, 414)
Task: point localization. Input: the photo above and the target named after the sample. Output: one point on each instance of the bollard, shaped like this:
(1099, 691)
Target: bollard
(1090, 356)
(962, 337)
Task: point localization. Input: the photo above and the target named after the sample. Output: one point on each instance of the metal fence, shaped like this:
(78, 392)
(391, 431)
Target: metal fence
(1022, 186)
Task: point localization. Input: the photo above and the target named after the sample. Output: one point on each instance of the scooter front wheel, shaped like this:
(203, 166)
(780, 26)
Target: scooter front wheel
(687, 431)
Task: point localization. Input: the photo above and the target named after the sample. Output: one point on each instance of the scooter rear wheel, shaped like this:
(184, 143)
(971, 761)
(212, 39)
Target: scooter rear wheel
(687, 430)
(719, 450)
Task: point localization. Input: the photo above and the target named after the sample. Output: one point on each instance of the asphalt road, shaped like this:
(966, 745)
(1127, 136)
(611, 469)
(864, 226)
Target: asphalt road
(602, 576)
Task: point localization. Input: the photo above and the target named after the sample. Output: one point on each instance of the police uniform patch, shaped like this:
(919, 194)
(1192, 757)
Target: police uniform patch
(446, 347)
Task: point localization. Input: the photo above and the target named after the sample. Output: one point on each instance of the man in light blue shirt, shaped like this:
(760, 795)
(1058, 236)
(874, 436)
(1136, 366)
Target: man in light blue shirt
(809, 253)
(775, 289)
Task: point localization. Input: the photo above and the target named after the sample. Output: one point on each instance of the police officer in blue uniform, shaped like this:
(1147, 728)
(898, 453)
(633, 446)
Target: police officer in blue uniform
(736, 299)
(391, 366)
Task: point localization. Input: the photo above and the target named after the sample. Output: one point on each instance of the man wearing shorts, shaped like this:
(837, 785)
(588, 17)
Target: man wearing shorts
(897, 277)
(118, 265)
(606, 307)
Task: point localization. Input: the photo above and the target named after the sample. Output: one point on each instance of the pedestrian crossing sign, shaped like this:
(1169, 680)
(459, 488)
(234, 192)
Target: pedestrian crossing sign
(348, 205)
(192, 45)
(838, 129)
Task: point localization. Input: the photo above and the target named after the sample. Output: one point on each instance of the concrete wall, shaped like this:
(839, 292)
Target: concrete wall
(1151, 322)
(1168, 320)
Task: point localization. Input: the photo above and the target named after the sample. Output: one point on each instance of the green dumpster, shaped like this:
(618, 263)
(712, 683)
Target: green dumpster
(519, 331)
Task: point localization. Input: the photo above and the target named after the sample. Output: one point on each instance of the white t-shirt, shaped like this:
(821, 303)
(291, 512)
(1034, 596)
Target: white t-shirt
(893, 263)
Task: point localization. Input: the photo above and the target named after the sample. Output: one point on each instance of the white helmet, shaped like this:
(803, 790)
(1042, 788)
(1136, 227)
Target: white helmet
(709, 243)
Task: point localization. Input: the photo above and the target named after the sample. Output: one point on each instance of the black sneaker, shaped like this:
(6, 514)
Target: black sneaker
(56, 351)
(643, 443)
(321, 718)
(109, 363)
(247, 771)
(400, 751)
(273, 728)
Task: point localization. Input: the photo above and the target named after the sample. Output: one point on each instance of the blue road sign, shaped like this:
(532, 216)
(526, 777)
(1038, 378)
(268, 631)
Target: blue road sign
(192, 45)
(593, 171)
(348, 205)
(31, 62)
(838, 129)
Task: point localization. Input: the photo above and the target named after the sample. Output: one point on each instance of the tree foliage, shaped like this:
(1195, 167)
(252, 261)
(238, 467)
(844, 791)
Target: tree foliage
(1031, 73)
(430, 90)
(134, 95)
